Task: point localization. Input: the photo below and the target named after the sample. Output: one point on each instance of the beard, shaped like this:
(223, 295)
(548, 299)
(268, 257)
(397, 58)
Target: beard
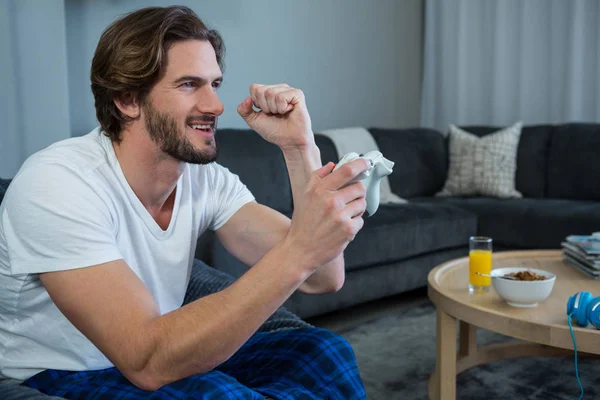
(162, 129)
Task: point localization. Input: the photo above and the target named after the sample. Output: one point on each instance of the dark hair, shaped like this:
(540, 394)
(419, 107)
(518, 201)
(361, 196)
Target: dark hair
(132, 53)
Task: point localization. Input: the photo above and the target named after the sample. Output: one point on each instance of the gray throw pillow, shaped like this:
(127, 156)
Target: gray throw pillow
(483, 166)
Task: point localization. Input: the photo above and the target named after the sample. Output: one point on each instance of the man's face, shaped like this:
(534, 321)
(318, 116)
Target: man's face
(180, 112)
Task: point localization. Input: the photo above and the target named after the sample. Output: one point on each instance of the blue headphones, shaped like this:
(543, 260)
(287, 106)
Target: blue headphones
(584, 308)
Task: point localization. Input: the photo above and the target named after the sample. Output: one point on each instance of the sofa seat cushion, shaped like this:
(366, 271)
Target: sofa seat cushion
(528, 223)
(397, 232)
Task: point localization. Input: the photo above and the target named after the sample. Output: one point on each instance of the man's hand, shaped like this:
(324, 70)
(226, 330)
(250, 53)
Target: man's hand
(330, 215)
(283, 118)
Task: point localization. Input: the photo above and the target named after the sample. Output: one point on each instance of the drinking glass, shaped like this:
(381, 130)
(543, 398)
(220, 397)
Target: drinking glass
(480, 260)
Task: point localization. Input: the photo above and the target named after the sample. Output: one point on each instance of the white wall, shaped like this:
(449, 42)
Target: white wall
(358, 61)
(34, 102)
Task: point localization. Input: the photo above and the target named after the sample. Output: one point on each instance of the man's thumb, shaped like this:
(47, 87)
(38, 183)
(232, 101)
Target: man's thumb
(245, 110)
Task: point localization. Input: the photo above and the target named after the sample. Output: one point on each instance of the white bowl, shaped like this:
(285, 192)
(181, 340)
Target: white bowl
(522, 293)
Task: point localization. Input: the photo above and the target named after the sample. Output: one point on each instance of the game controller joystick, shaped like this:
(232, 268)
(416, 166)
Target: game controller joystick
(380, 167)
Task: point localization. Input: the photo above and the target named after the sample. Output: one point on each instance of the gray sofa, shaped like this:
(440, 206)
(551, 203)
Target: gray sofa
(557, 173)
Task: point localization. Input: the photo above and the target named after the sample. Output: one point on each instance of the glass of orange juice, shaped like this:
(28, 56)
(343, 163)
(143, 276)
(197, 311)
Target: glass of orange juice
(480, 261)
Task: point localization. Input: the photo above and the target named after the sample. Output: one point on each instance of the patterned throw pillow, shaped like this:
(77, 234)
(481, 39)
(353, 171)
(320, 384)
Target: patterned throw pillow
(483, 166)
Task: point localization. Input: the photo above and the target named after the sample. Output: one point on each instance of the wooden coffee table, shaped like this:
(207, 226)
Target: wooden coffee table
(543, 329)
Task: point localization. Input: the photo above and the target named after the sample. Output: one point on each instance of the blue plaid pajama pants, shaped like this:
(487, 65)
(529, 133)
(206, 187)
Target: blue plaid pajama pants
(306, 363)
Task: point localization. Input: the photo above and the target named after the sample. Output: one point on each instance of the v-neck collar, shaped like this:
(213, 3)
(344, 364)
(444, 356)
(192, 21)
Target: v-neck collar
(135, 202)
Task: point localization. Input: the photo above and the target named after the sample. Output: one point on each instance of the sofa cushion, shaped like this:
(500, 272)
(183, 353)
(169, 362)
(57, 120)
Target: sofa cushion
(532, 157)
(527, 223)
(327, 149)
(573, 167)
(482, 165)
(398, 232)
(259, 164)
(420, 156)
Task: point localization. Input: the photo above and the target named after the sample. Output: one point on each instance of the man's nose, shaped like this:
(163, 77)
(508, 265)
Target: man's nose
(209, 102)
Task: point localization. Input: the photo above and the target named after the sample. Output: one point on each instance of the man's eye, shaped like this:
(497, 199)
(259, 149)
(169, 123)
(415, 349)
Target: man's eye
(188, 84)
(216, 85)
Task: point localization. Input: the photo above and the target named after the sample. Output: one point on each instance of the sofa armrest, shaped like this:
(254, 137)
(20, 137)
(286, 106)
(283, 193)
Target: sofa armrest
(206, 280)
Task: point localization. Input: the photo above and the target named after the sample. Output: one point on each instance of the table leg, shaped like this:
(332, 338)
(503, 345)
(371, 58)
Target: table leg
(468, 340)
(445, 362)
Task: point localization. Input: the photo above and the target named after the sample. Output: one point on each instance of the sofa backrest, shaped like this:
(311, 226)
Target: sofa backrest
(327, 149)
(420, 157)
(3, 186)
(573, 167)
(259, 164)
(532, 157)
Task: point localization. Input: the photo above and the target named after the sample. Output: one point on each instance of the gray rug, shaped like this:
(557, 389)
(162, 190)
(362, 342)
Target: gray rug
(396, 354)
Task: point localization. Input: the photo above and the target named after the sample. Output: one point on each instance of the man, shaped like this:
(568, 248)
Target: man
(97, 236)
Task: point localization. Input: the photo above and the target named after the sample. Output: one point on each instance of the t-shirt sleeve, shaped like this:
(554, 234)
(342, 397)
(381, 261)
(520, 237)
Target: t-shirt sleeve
(54, 220)
(229, 195)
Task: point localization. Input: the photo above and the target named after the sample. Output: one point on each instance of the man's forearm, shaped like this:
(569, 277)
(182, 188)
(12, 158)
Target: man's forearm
(301, 162)
(205, 333)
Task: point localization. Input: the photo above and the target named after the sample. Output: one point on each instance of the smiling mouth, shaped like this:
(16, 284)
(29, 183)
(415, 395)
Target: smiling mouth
(202, 127)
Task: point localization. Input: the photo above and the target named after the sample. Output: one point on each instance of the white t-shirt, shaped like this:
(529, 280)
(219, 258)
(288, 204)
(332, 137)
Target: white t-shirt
(70, 206)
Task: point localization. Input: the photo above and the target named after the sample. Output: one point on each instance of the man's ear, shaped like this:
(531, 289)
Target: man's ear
(128, 104)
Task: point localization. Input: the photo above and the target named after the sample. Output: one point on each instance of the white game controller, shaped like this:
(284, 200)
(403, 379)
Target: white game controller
(380, 167)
